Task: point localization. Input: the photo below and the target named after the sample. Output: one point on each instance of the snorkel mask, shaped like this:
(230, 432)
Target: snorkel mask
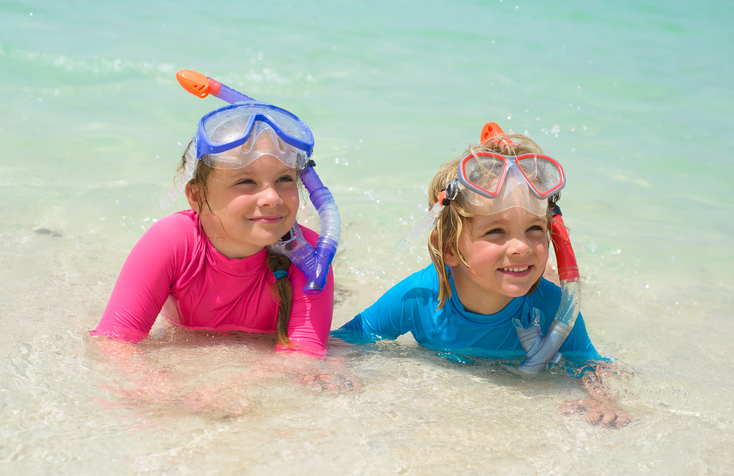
(490, 183)
(234, 136)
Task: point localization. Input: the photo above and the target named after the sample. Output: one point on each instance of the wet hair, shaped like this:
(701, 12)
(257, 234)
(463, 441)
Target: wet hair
(282, 289)
(454, 217)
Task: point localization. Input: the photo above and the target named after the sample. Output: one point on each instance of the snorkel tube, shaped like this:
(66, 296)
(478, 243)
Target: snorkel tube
(539, 349)
(313, 262)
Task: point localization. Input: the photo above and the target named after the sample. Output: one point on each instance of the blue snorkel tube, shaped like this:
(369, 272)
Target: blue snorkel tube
(313, 262)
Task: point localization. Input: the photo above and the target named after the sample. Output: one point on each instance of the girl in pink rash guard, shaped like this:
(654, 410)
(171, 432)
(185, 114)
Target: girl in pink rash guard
(210, 267)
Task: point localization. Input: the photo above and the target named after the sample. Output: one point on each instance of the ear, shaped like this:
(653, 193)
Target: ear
(451, 257)
(193, 196)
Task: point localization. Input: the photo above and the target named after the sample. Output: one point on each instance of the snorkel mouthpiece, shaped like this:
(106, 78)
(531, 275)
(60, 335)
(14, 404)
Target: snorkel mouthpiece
(313, 262)
(202, 86)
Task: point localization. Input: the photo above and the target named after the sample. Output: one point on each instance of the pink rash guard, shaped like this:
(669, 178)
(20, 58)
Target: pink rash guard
(174, 270)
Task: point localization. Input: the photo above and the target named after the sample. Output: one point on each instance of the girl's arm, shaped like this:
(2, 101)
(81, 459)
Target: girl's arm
(145, 280)
(141, 289)
(395, 313)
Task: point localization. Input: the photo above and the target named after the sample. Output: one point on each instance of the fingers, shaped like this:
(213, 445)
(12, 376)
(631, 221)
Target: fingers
(574, 406)
(609, 417)
(623, 419)
(217, 403)
(334, 384)
(597, 413)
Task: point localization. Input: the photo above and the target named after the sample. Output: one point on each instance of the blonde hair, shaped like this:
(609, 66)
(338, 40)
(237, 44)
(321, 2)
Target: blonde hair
(282, 289)
(455, 215)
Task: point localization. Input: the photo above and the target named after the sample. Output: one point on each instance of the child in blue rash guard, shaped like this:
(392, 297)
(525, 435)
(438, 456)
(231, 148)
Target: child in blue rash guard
(489, 244)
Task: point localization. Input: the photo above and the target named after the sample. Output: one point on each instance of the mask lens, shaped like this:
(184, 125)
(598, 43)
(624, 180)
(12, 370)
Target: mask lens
(262, 141)
(485, 172)
(227, 126)
(289, 125)
(543, 174)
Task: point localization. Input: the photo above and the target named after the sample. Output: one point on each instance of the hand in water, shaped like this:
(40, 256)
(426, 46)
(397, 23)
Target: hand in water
(334, 383)
(597, 413)
(219, 403)
(601, 407)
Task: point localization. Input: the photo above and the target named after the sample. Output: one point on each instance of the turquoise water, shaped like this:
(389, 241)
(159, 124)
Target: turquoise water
(633, 98)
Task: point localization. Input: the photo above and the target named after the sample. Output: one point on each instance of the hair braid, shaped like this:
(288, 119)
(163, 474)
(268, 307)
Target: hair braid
(283, 293)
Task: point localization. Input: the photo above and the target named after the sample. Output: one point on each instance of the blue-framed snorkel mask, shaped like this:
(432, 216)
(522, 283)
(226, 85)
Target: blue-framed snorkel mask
(234, 136)
(240, 124)
(231, 137)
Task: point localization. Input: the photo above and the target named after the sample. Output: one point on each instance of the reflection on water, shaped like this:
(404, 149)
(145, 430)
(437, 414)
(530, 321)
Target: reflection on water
(419, 413)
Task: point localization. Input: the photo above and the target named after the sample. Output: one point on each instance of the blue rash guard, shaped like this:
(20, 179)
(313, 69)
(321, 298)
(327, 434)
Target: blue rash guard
(410, 306)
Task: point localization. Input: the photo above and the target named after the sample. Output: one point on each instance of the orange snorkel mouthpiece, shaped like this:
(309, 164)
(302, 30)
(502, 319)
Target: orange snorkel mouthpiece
(491, 130)
(198, 84)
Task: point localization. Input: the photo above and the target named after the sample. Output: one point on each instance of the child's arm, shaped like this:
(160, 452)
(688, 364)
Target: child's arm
(397, 312)
(145, 281)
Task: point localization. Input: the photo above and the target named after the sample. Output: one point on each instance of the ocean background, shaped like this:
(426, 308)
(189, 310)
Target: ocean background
(634, 98)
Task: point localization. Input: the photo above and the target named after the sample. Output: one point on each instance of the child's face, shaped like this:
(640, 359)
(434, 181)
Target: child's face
(249, 208)
(506, 252)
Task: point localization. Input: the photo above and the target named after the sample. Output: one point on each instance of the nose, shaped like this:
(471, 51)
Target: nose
(518, 247)
(269, 196)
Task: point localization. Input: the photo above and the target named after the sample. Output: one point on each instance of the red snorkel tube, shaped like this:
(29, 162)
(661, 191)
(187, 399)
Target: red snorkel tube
(539, 349)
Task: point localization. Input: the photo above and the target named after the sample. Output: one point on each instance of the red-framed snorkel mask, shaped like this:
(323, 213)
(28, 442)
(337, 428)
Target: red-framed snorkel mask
(493, 182)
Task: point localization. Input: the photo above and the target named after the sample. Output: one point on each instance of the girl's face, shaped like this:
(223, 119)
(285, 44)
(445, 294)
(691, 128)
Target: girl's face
(506, 252)
(250, 208)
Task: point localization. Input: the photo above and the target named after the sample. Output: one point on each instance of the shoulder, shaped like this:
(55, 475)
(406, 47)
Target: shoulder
(547, 297)
(547, 288)
(173, 232)
(175, 226)
(420, 286)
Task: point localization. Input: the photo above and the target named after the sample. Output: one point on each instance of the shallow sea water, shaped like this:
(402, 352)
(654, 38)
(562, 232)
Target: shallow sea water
(632, 98)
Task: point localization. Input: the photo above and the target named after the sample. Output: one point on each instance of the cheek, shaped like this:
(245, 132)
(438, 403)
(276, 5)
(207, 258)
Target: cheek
(541, 249)
(290, 198)
(483, 253)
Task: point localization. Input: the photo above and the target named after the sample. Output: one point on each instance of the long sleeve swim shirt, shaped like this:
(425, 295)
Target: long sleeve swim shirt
(411, 306)
(175, 271)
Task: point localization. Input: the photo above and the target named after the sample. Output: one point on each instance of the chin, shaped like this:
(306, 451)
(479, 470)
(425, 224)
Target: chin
(516, 291)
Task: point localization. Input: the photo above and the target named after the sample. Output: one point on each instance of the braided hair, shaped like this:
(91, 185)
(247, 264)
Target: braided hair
(283, 292)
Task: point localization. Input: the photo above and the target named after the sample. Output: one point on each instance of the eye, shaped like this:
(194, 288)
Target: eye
(495, 231)
(246, 181)
(537, 228)
(287, 178)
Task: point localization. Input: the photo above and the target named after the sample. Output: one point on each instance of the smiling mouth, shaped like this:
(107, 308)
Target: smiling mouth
(269, 220)
(516, 270)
